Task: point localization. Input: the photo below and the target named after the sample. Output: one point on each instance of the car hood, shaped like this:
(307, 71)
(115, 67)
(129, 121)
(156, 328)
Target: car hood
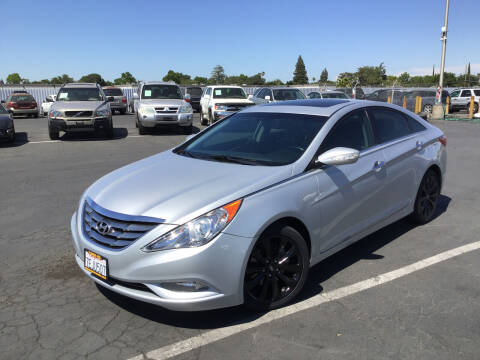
(176, 188)
(232, 101)
(163, 102)
(5, 122)
(75, 105)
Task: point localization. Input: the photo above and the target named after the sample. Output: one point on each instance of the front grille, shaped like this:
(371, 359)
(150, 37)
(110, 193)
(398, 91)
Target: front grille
(79, 113)
(107, 230)
(130, 285)
(166, 109)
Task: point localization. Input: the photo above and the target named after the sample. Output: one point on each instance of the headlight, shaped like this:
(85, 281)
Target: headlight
(102, 112)
(197, 232)
(54, 114)
(147, 110)
(187, 108)
(221, 107)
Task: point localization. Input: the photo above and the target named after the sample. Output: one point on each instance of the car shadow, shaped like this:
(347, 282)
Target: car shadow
(21, 138)
(170, 130)
(363, 249)
(118, 133)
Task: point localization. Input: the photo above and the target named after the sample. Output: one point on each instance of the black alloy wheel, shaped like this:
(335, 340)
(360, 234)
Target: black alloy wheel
(427, 198)
(277, 269)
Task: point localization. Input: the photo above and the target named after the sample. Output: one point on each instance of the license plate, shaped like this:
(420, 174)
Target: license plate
(165, 118)
(96, 264)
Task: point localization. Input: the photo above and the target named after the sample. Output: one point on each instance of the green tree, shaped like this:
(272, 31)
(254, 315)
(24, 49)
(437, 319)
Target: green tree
(218, 75)
(371, 75)
(468, 74)
(93, 78)
(177, 77)
(346, 79)
(200, 80)
(300, 73)
(274, 82)
(324, 76)
(14, 78)
(404, 78)
(63, 79)
(125, 78)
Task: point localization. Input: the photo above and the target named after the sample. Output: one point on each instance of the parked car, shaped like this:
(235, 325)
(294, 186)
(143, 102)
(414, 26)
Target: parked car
(80, 107)
(195, 93)
(219, 101)
(49, 100)
(327, 95)
(353, 93)
(7, 127)
(428, 99)
(240, 212)
(119, 102)
(460, 99)
(266, 95)
(384, 94)
(159, 104)
(21, 103)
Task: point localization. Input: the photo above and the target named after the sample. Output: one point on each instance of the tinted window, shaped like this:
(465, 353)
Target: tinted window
(26, 98)
(161, 92)
(79, 94)
(466, 93)
(476, 92)
(256, 138)
(334, 95)
(415, 126)
(113, 92)
(2, 110)
(314, 95)
(229, 93)
(388, 125)
(195, 91)
(268, 92)
(352, 131)
(288, 94)
(455, 93)
(209, 91)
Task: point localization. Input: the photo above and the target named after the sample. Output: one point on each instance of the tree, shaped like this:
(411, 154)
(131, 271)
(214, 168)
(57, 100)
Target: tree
(14, 78)
(61, 79)
(346, 79)
(93, 78)
(177, 77)
(324, 76)
(125, 78)
(274, 82)
(404, 78)
(200, 80)
(218, 75)
(468, 74)
(371, 75)
(300, 73)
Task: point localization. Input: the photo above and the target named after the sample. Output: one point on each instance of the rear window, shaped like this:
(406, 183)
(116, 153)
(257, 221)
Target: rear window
(476, 92)
(194, 91)
(229, 93)
(338, 95)
(288, 94)
(22, 98)
(388, 125)
(113, 92)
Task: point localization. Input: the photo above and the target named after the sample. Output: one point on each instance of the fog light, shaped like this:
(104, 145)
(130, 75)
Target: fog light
(185, 286)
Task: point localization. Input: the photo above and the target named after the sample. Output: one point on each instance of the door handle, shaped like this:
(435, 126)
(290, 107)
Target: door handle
(378, 165)
(419, 145)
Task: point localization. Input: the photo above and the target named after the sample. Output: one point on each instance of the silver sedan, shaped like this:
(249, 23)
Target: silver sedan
(239, 212)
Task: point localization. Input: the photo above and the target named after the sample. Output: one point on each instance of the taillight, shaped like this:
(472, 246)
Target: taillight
(12, 104)
(187, 100)
(34, 103)
(443, 140)
(124, 100)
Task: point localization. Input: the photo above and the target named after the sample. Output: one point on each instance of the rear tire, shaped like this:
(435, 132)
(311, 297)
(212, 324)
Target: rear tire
(427, 198)
(277, 268)
(475, 108)
(141, 129)
(202, 119)
(54, 134)
(210, 118)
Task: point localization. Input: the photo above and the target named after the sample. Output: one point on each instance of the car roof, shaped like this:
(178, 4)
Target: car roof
(111, 87)
(159, 83)
(83, 85)
(225, 86)
(321, 107)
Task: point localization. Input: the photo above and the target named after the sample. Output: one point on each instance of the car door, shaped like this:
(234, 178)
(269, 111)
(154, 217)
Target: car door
(259, 99)
(352, 196)
(464, 99)
(268, 92)
(205, 99)
(454, 98)
(403, 148)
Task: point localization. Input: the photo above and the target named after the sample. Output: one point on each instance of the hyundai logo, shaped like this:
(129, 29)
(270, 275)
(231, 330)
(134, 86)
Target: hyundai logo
(102, 227)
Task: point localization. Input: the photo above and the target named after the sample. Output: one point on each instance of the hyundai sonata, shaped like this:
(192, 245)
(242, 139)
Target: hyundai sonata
(239, 212)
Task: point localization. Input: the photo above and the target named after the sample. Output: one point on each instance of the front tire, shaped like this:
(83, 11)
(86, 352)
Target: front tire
(428, 109)
(427, 198)
(54, 134)
(277, 268)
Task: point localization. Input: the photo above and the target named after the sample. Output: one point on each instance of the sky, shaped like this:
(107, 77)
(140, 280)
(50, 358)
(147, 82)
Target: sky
(41, 39)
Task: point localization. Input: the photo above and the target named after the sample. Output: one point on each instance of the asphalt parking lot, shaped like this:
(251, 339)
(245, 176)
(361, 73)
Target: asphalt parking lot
(49, 309)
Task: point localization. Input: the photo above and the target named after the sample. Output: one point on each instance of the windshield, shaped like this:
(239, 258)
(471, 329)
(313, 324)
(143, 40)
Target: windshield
(229, 93)
(194, 91)
(333, 95)
(113, 92)
(269, 139)
(79, 94)
(288, 94)
(161, 92)
(23, 98)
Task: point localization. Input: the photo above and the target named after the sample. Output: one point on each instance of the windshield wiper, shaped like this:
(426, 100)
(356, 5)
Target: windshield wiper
(186, 153)
(233, 159)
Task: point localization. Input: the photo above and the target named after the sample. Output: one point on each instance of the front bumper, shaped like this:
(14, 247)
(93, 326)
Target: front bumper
(220, 265)
(71, 124)
(118, 106)
(153, 120)
(6, 134)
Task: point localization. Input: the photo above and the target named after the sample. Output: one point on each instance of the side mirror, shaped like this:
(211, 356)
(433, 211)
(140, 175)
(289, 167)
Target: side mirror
(250, 97)
(187, 98)
(338, 156)
(135, 96)
(110, 98)
(267, 97)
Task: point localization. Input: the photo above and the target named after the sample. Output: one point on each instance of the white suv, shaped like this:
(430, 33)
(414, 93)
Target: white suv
(159, 104)
(460, 99)
(218, 101)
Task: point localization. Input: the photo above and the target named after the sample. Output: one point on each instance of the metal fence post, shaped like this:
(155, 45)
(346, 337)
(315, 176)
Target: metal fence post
(447, 108)
(470, 110)
(404, 102)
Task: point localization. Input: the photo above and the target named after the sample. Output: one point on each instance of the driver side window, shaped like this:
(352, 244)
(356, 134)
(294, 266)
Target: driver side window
(352, 131)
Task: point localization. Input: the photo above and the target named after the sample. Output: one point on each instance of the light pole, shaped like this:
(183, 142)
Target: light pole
(438, 108)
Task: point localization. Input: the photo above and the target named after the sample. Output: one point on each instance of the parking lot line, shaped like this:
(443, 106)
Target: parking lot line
(209, 337)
